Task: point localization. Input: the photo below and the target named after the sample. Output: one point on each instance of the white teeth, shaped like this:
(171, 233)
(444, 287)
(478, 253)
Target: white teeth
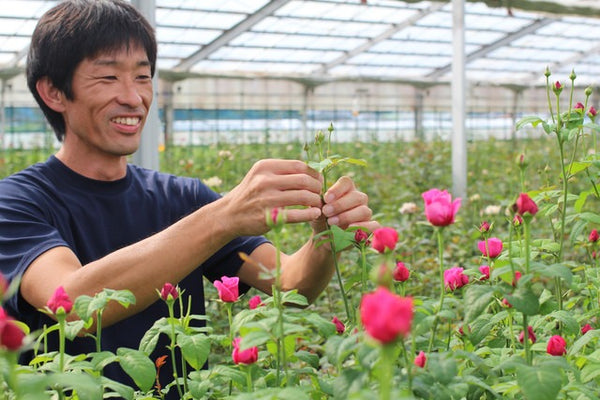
(126, 120)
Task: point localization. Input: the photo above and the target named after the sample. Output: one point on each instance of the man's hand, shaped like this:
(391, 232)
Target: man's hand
(272, 184)
(346, 206)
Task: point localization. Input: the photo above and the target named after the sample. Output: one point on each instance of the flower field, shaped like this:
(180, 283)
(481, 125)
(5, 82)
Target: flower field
(494, 296)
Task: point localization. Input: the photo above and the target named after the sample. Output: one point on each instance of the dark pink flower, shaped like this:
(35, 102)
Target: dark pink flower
(454, 278)
(11, 336)
(274, 214)
(557, 346)
(485, 272)
(525, 204)
(493, 248)
(59, 300)
(401, 273)
(254, 302)
(228, 288)
(421, 360)
(385, 315)
(384, 238)
(586, 328)
(339, 325)
(579, 106)
(484, 227)
(248, 356)
(516, 278)
(517, 220)
(440, 210)
(530, 335)
(360, 236)
(506, 303)
(592, 113)
(594, 236)
(169, 290)
(557, 87)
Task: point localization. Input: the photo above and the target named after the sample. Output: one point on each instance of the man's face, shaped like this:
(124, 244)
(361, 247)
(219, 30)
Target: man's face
(112, 93)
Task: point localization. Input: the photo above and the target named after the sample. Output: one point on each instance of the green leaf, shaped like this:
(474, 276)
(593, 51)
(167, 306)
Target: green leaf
(81, 307)
(567, 319)
(478, 297)
(539, 382)
(138, 366)
(293, 297)
(556, 270)
(576, 347)
(72, 328)
(533, 120)
(325, 327)
(590, 217)
(256, 338)
(124, 391)
(525, 301)
(590, 372)
(341, 238)
(443, 367)
(150, 338)
(320, 165)
(578, 206)
(578, 166)
(309, 358)
(195, 349)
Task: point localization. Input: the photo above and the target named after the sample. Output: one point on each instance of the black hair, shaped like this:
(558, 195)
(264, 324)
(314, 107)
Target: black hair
(75, 30)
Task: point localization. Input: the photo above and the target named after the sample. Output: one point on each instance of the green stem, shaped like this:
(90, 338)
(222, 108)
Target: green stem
(99, 330)
(363, 265)
(386, 374)
(281, 359)
(407, 364)
(172, 348)
(61, 341)
(249, 383)
(442, 288)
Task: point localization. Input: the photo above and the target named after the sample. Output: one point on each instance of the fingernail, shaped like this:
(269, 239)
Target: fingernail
(329, 197)
(333, 221)
(327, 210)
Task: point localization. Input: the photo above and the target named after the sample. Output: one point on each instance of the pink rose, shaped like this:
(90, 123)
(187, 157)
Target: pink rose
(11, 336)
(339, 325)
(248, 356)
(592, 113)
(530, 335)
(420, 360)
(168, 290)
(384, 238)
(454, 278)
(484, 227)
(439, 207)
(386, 315)
(59, 300)
(485, 272)
(360, 236)
(254, 302)
(556, 346)
(586, 328)
(593, 237)
(525, 204)
(401, 273)
(228, 288)
(579, 106)
(494, 247)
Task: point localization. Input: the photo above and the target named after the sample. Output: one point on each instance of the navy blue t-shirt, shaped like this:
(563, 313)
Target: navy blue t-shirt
(48, 205)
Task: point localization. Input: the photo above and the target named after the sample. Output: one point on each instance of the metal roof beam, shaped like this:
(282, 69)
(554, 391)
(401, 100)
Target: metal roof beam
(231, 33)
(380, 38)
(505, 41)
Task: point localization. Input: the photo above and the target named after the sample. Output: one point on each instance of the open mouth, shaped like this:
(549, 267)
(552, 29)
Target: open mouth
(129, 121)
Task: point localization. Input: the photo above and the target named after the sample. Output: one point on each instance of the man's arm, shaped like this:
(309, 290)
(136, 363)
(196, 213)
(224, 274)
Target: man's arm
(310, 268)
(173, 253)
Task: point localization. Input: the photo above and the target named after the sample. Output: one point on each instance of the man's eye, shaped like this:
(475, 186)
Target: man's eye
(109, 77)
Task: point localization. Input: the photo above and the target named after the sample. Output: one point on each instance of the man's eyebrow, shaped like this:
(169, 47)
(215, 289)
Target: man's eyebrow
(111, 61)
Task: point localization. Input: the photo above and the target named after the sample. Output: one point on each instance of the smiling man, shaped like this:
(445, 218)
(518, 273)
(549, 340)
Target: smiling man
(87, 220)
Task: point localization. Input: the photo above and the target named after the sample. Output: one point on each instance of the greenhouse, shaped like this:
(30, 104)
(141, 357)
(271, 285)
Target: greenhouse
(484, 108)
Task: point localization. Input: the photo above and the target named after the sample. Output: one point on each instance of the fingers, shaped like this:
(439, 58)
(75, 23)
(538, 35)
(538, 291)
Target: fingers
(346, 206)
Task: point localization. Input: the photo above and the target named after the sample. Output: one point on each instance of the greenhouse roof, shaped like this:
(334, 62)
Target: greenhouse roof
(317, 41)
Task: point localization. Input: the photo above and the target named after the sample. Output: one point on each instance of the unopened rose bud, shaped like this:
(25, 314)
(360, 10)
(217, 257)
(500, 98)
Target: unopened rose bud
(522, 161)
(588, 91)
(579, 106)
(484, 227)
(557, 88)
(572, 75)
(592, 113)
(547, 72)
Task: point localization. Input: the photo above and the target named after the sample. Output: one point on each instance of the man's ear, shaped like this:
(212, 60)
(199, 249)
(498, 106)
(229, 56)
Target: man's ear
(50, 94)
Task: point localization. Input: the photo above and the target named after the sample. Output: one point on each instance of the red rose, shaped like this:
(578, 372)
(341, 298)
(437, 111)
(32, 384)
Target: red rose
(401, 273)
(454, 278)
(485, 272)
(386, 315)
(11, 336)
(248, 356)
(440, 210)
(339, 325)
(594, 236)
(420, 360)
(530, 335)
(254, 302)
(525, 204)
(493, 248)
(556, 346)
(360, 236)
(228, 288)
(168, 290)
(384, 238)
(586, 328)
(59, 300)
